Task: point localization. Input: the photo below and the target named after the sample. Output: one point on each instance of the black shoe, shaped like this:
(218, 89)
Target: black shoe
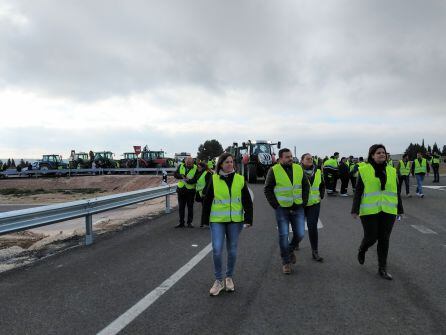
(180, 225)
(316, 256)
(296, 247)
(384, 274)
(201, 226)
(189, 225)
(361, 256)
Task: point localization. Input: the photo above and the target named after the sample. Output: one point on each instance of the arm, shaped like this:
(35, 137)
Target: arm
(358, 195)
(322, 187)
(412, 168)
(247, 205)
(207, 203)
(400, 202)
(177, 174)
(305, 190)
(270, 182)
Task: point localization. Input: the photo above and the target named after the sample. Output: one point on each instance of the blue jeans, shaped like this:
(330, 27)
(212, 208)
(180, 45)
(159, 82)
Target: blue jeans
(218, 232)
(285, 217)
(420, 179)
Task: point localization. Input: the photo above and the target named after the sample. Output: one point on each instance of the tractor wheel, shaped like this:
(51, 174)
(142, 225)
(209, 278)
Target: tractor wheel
(252, 174)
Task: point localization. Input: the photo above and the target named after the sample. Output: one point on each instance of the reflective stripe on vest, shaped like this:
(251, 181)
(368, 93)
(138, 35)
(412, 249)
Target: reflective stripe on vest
(375, 200)
(404, 168)
(420, 168)
(315, 196)
(435, 160)
(227, 206)
(189, 175)
(201, 183)
(286, 192)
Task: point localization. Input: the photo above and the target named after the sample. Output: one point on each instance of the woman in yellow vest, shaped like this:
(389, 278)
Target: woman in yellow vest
(227, 205)
(313, 207)
(377, 203)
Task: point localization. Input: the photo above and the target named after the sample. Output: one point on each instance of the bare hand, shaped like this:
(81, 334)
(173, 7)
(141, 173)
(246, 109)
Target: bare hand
(247, 225)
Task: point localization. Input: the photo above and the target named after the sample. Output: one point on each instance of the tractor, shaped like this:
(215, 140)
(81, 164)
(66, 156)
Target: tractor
(81, 160)
(156, 159)
(105, 160)
(253, 159)
(50, 162)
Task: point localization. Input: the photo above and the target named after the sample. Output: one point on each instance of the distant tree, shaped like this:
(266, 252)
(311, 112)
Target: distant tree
(13, 163)
(209, 149)
(429, 149)
(435, 149)
(8, 163)
(422, 146)
(443, 152)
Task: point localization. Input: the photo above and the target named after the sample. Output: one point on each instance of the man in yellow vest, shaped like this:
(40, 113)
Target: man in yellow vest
(435, 162)
(419, 169)
(287, 189)
(331, 173)
(403, 171)
(186, 191)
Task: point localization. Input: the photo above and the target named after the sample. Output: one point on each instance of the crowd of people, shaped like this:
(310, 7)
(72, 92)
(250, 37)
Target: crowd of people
(294, 189)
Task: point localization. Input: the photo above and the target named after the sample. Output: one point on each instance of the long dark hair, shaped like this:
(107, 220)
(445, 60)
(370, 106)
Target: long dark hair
(372, 151)
(221, 159)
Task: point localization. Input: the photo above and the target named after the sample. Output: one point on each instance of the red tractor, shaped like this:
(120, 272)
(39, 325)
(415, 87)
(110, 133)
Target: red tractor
(254, 158)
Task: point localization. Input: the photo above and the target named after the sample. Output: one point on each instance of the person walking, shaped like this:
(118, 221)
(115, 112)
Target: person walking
(419, 169)
(377, 203)
(227, 204)
(436, 167)
(287, 189)
(312, 209)
(344, 175)
(331, 173)
(403, 172)
(354, 172)
(186, 191)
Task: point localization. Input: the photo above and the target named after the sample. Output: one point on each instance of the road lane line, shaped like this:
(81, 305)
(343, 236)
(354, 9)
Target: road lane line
(423, 229)
(131, 314)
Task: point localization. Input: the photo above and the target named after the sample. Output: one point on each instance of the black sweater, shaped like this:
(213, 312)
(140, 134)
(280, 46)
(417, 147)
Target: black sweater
(209, 198)
(270, 183)
(358, 195)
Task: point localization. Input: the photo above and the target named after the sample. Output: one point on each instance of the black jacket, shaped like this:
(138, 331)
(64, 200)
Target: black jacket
(344, 170)
(209, 198)
(358, 195)
(270, 183)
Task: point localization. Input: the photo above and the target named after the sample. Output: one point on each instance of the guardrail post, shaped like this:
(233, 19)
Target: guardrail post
(168, 208)
(88, 230)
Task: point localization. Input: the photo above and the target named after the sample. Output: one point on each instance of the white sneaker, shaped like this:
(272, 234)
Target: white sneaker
(229, 285)
(216, 288)
(344, 195)
(421, 195)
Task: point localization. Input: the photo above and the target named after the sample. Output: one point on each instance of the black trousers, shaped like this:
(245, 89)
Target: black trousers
(312, 216)
(436, 168)
(344, 184)
(331, 179)
(377, 227)
(406, 180)
(186, 197)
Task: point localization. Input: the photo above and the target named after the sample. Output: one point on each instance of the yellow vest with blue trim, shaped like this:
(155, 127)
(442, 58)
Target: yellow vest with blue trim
(315, 196)
(288, 193)
(189, 175)
(227, 206)
(374, 200)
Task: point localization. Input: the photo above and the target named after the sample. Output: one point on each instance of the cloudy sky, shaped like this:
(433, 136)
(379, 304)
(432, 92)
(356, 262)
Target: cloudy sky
(323, 76)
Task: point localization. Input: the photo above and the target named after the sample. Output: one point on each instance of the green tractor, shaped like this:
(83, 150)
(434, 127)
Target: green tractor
(105, 160)
(81, 160)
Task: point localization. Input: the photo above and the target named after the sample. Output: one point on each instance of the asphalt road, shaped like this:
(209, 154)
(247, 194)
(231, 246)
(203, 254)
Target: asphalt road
(84, 290)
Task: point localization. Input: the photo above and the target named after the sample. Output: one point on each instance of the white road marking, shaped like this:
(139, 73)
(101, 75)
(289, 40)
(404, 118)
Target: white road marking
(195, 245)
(131, 314)
(423, 229)
(438, 188)
(251, 193)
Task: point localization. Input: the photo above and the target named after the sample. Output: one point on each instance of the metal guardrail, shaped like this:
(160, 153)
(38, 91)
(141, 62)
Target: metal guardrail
(84, 171)
(24, 219)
